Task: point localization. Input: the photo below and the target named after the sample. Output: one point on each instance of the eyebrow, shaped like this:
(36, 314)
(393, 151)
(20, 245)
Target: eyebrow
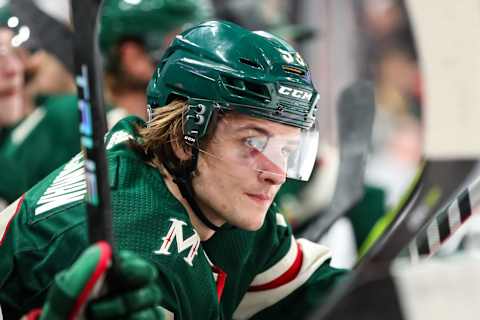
(264, 131)
(255, 127)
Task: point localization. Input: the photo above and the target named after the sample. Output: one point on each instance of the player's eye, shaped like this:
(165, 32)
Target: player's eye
(258, 143)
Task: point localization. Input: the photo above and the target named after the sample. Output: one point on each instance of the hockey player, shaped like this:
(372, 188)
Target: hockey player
(30, 143)
(133, 36)
(232, 115)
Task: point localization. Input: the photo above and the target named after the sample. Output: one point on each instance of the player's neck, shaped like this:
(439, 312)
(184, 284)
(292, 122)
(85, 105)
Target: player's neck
(203, 231)
(15, 108)
(133, 102)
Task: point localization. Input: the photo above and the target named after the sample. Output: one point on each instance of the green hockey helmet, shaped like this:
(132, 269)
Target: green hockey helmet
(219, 65)
(21, 32)
(255, 72)
(5, 13)
(147, 20)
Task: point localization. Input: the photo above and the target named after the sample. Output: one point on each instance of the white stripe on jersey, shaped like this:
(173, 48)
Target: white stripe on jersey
(281, 220)
(279, 268)
(314, 255)
(26, 126)
(167, 314)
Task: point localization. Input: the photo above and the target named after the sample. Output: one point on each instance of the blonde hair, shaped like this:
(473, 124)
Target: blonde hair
(163, 132)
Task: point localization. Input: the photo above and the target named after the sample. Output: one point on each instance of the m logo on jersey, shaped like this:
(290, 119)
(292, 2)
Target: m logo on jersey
(295, 93)
(176, 232)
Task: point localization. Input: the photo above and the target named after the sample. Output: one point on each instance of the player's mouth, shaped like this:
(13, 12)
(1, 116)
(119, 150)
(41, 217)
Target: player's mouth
(260, 198)
(8, 92)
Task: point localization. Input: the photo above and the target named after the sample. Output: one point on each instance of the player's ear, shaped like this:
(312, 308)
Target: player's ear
(180, 149)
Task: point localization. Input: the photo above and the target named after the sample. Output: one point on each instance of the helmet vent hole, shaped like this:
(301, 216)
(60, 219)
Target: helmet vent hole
(235, 83)
(250, 63)
(247, 89)
(257, 89)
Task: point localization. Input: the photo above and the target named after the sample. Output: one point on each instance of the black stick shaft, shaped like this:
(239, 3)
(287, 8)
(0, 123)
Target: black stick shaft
(355, 114)
(439, 184)
(88, 77)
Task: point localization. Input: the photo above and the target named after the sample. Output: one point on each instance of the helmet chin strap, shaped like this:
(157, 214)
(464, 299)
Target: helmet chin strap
(183, 179)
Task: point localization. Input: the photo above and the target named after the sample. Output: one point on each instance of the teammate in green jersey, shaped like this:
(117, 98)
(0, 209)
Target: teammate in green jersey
(133, 36)
(232, 115)
(44, 134)
(34, 140)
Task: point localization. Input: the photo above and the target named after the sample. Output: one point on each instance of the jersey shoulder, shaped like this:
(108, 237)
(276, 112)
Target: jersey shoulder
(51, 133)
(117, 139)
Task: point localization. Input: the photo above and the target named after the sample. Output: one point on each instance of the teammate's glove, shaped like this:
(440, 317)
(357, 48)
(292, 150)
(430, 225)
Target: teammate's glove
(74, 292)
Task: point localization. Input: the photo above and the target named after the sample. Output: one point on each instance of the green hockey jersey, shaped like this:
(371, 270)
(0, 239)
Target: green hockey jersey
(40, 143)
(236, 274)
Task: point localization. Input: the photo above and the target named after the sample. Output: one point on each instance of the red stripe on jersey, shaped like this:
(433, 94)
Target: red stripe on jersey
(33, 315)
(286, 277)
(17, 209)
(221, 279)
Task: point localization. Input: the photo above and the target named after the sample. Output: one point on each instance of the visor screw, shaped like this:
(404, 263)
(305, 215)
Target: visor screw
(200, 109)
(149, 112)
(199, 119)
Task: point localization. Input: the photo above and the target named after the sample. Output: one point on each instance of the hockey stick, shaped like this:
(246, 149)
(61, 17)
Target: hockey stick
(93, 121)
(373, 292)
(392, 216)
(413, 291)
(378, 291)
(446, 222)
(355, 114)
(439, 183)
(445, 139)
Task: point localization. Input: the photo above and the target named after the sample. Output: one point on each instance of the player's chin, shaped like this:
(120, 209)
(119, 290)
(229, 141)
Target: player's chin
(251, 227)
(253, 222)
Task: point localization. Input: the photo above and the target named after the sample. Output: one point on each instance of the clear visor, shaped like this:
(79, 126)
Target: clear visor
(265, 146)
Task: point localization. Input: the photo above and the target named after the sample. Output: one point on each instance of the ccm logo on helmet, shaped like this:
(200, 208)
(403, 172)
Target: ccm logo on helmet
(296, 93)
